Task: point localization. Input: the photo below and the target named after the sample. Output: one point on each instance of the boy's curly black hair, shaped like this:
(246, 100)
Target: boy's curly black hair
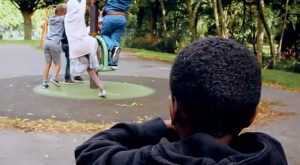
(216, 83)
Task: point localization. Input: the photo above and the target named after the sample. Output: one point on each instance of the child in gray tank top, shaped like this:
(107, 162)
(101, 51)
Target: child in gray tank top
(52, 48)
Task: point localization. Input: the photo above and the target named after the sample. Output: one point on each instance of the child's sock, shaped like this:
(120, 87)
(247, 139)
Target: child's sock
(55, 78)
(45, 84)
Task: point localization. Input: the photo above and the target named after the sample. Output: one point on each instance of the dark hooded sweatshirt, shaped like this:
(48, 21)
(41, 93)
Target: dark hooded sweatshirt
(152, 143)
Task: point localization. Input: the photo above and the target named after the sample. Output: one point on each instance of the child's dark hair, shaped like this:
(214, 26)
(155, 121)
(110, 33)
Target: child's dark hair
(216, 83)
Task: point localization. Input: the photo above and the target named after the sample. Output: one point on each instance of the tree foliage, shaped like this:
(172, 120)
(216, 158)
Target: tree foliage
(27, 9)
(252, 22)
(168, 25)
(8, 16)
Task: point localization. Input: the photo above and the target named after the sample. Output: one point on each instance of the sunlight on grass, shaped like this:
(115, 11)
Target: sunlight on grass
(281, 79)
(160, 56)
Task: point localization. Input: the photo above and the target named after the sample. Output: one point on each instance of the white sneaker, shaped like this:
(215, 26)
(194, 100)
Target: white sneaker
(114, 67)
(45, 84)
(55, 82)
(115, 54)
(102, 94)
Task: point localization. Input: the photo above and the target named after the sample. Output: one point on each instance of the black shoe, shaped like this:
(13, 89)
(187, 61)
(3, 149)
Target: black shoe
(115, 54)
(69, 81)
(78, 78)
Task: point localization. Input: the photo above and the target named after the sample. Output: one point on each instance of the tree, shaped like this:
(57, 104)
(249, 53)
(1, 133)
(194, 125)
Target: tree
(8, 18)
(164, 21)
(259, 40)
(27, 9)
(261, 14)
(288, 29)
(219, 18)
(283, 26)
(167, 25)
(193, 11)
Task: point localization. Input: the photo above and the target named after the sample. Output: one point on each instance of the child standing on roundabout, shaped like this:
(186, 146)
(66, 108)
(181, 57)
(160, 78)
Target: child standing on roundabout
(51, 46)
(113, 27)
(82, 47)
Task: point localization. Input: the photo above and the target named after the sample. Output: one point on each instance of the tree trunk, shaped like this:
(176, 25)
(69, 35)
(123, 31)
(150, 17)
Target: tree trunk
(27, 25)
(164, 19)
(222, 18)
(260, 6)
(152, 23)
(153, 19)
(93, 19)
(283, 26)
(259, 40)
(190, 16)
(193, 22)
(216, 14)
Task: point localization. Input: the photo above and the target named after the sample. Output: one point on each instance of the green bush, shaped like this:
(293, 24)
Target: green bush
(139, 43)
(289, 65)
(145, 42)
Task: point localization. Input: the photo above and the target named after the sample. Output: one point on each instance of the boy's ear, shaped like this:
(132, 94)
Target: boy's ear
(172, 109)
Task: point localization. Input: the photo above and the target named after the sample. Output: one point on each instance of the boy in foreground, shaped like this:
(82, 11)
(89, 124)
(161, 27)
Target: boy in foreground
(215, 88)
(52, 48)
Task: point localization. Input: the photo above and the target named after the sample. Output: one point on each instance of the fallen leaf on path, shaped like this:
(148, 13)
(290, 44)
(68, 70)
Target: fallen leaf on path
(48, 125)
(282, 87)
(134, 104)
(265, 113)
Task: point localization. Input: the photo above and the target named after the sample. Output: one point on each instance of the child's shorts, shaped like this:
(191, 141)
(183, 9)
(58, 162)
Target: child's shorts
(52, 51)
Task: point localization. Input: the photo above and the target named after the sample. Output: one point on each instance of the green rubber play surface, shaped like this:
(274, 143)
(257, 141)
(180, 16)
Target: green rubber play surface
(115, 91)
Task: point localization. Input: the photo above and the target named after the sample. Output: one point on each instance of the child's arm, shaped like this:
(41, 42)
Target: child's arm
(122, 144)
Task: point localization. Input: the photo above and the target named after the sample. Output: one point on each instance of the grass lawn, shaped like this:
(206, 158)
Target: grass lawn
(166, 57)
(285, 79)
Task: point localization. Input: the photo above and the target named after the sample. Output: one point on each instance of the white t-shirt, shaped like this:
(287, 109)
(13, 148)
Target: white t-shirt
(80, 42)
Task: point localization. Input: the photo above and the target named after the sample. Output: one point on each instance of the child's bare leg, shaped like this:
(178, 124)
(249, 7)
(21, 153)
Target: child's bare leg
(46, 71)
(95, 78)
(56, 71)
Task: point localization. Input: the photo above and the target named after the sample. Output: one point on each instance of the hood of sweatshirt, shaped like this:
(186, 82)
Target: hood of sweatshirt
(248, 148)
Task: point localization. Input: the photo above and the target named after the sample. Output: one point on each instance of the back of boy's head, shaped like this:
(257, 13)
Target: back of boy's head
(216, 84)
(60, 10)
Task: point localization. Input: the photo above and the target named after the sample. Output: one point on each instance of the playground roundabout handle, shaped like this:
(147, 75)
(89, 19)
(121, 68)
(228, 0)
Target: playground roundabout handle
(103, 55)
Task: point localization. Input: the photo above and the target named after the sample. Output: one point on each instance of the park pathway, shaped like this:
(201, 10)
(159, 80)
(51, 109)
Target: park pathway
(20, 71)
